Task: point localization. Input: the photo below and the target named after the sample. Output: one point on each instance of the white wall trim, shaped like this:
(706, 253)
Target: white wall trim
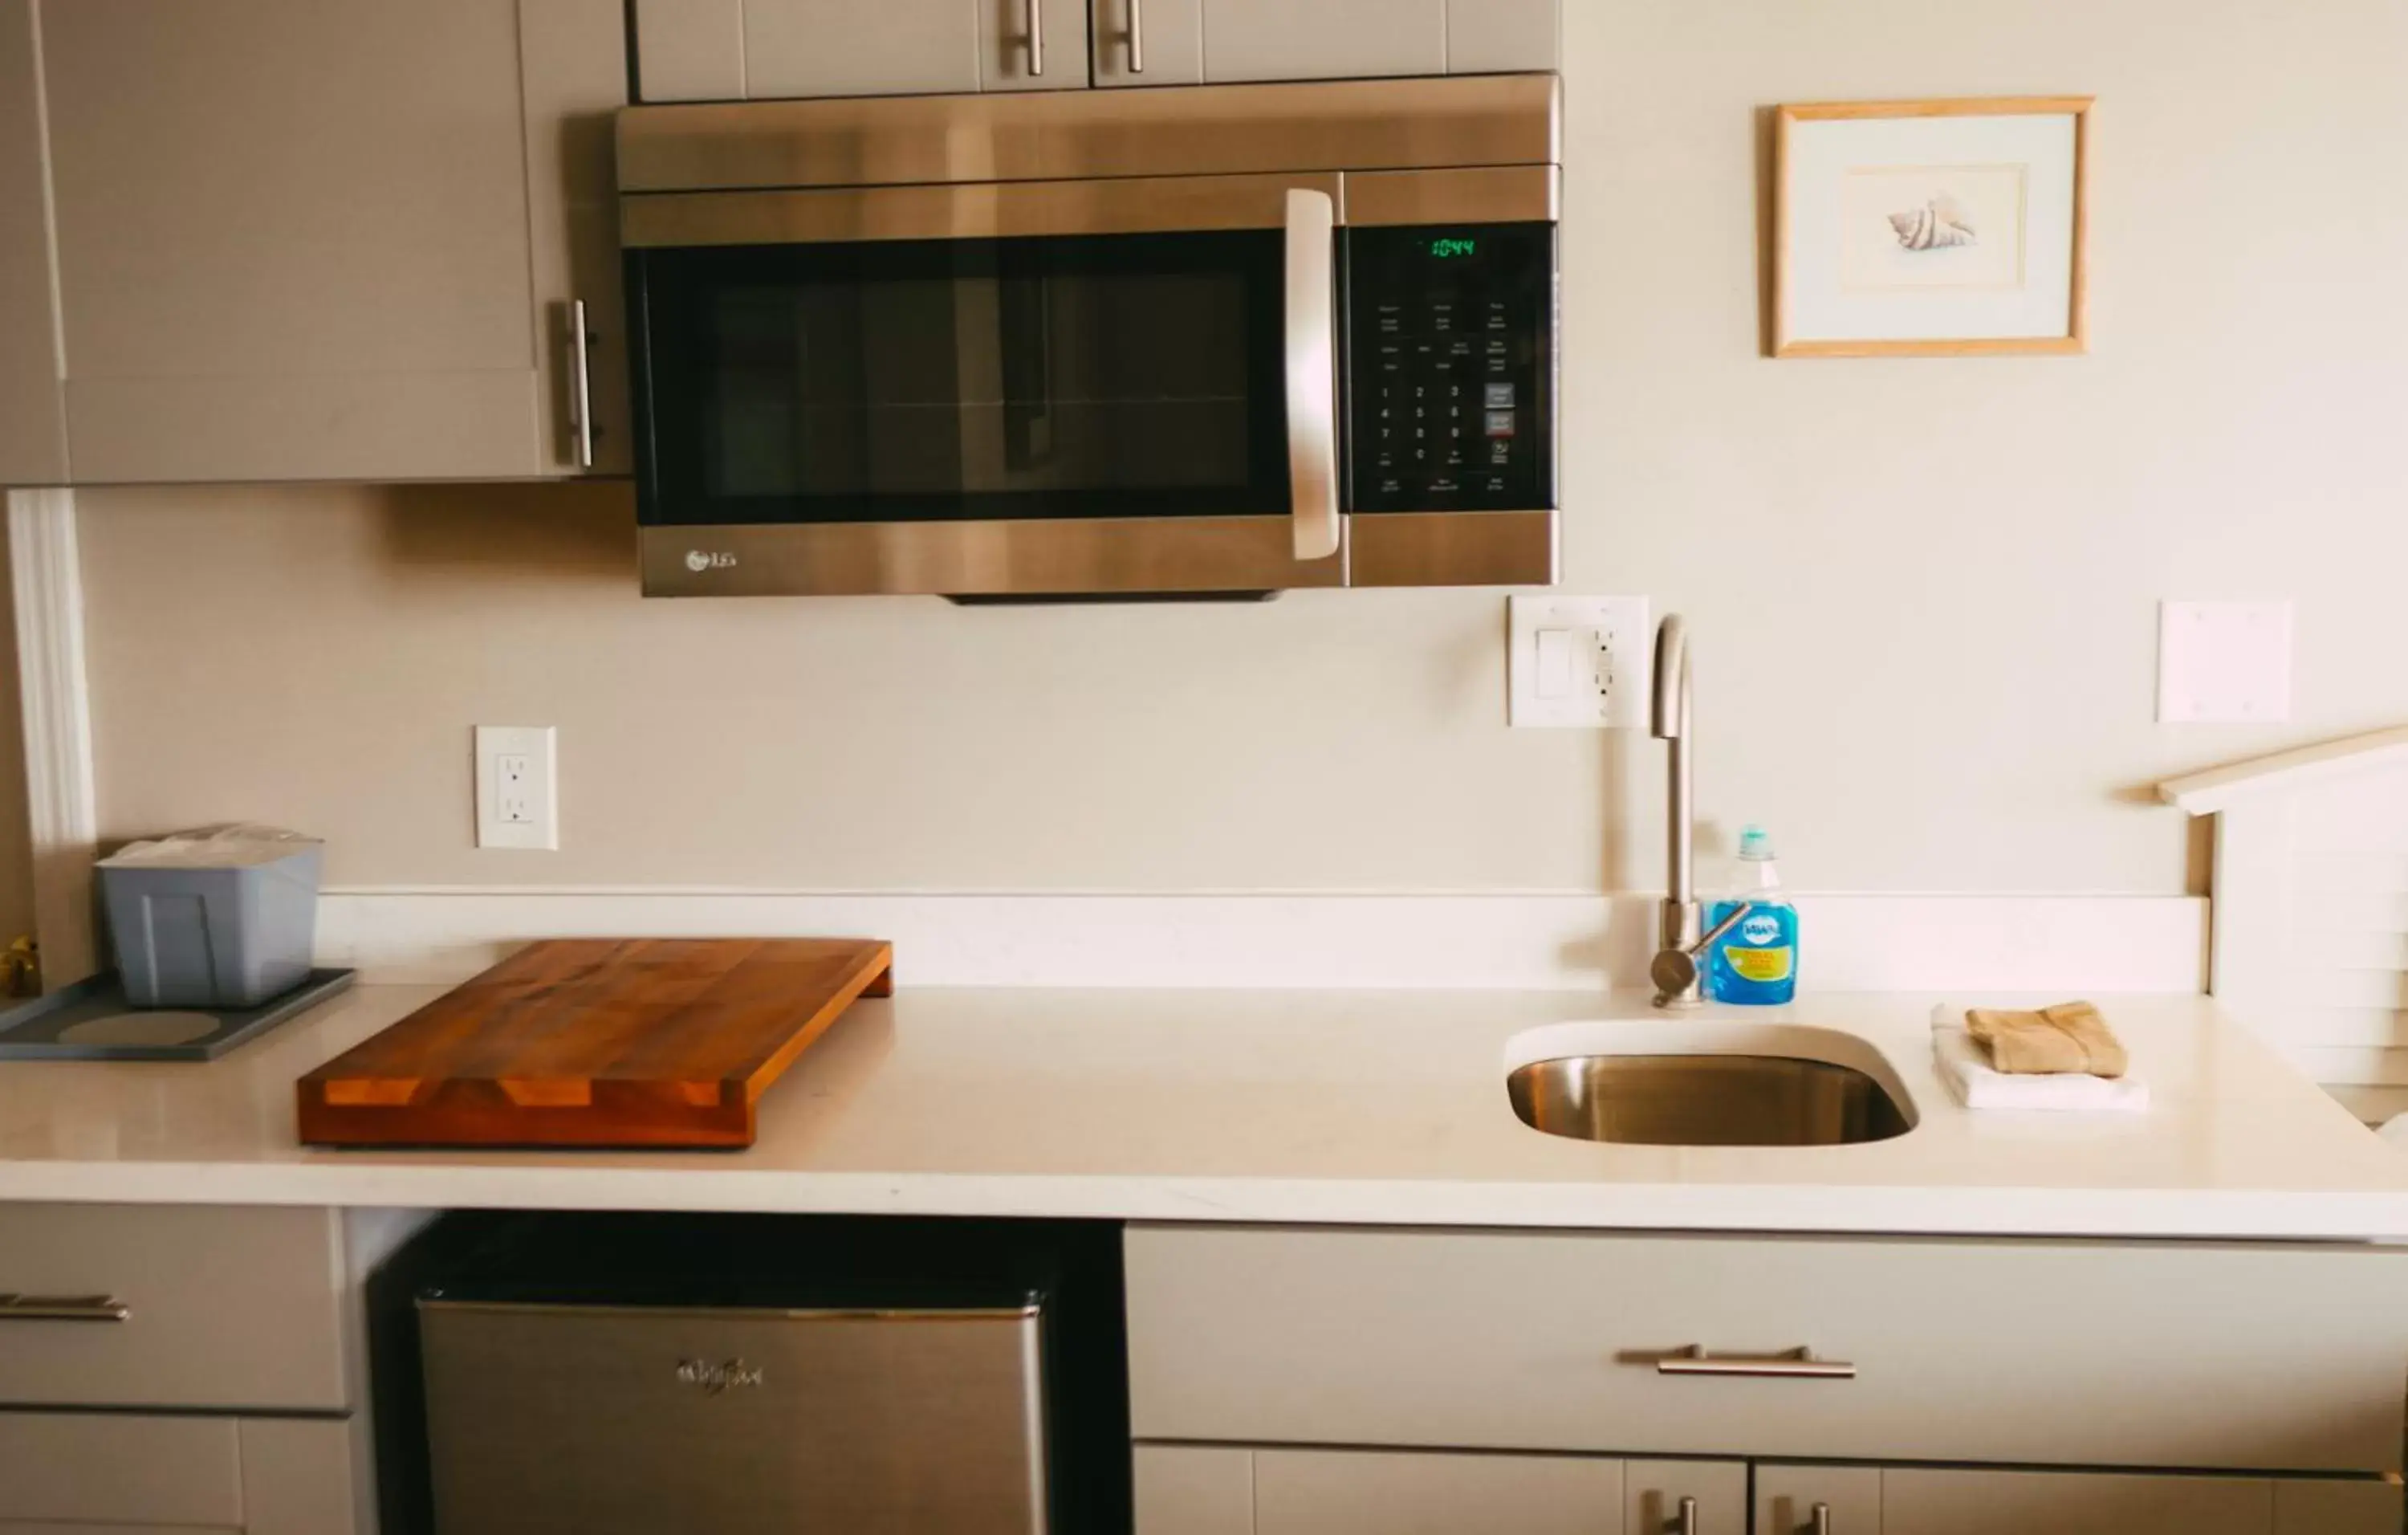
(1511, 941)
(2286, 773)
(62, 806)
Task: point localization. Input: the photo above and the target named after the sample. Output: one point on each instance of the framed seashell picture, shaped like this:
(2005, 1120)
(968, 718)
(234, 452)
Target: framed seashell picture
(1930, 228)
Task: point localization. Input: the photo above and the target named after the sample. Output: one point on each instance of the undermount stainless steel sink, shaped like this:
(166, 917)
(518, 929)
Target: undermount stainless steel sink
(1706, 1087)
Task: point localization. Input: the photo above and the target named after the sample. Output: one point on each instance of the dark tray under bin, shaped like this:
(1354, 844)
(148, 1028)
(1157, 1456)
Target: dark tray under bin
(72, 1023)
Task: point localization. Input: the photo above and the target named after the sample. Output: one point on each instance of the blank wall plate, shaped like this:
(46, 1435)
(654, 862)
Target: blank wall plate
(1578, 663)
(2223, 662)
(518, 794)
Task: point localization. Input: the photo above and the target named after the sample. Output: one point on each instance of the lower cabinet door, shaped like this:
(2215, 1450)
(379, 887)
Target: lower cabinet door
(1969, 1502)
(1685, 1498)
(1913, 1501)
(2310, 1506)
(1206, 1490)
(1818, 1500)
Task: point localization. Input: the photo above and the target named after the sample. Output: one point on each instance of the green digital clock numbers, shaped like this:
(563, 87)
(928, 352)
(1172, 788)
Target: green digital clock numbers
(1451, 247)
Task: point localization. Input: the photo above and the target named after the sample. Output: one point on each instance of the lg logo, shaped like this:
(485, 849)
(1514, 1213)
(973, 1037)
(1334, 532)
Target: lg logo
(700, 560)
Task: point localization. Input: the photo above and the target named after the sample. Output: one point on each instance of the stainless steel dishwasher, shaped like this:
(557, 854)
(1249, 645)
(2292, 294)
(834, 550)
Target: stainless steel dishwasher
(856, 1377)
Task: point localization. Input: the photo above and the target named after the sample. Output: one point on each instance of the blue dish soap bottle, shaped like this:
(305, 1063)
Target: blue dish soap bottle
(1756, 962)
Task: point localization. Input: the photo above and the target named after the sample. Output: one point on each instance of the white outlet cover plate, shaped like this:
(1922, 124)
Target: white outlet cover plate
(1593, 675)
(540, 830)
(2224, 663)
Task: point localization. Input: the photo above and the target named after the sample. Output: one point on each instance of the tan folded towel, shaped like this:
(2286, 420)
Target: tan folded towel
(2069, 1036)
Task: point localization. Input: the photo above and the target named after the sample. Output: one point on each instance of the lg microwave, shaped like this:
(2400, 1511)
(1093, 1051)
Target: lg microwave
(1209, 340)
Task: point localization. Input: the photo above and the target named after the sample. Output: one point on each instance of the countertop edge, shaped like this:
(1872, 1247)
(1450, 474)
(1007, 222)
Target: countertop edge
(2139, 1213)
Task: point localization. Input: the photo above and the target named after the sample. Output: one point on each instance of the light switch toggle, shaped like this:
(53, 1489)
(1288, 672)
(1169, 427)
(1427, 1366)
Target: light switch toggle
(1555, 649)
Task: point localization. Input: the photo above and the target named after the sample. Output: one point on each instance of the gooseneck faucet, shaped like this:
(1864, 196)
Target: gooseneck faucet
(1677, 928)
(1679, 940)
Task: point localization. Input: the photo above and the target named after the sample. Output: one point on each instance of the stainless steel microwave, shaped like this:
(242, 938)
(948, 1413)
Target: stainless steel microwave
(1220, 339)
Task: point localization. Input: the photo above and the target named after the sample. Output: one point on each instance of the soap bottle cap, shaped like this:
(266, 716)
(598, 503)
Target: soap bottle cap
(1756, 844)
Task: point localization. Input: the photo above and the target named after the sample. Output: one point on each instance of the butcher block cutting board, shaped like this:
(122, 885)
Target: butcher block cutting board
(596, 1042)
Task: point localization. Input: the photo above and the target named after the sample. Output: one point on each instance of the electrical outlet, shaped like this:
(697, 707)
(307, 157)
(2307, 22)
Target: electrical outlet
(518, 802)
(1578, 663)
(514, 801)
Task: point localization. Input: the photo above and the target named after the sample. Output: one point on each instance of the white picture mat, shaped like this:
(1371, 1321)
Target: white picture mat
(1826, 154)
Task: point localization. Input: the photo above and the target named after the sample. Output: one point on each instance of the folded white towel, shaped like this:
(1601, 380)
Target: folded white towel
(2396, 1132)
(1978, 1086)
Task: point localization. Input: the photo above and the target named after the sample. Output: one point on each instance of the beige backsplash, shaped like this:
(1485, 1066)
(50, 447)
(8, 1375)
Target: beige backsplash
(1924, 592)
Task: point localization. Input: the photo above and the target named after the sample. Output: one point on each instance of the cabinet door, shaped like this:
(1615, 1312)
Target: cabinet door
(1328, 1492)
(293, 238)
(32, 416)
(1192, 1489)
(1653, 1491)
(1501, 37)
(1818, 1500)
(1325, 39)
(861, 48)
(1165, 37)
(1969, 1502)
(122, 1469)
(1008, 57)
(297, 1476)
(2307, 1507)
(573, 56)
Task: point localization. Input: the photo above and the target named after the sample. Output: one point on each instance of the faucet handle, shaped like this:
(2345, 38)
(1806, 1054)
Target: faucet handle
(1675, 970)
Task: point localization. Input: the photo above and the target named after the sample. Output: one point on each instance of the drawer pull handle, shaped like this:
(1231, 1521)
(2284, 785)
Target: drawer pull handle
(62, 1308)
(1797, 1364)
(1822, 1525)
(1687, 1523)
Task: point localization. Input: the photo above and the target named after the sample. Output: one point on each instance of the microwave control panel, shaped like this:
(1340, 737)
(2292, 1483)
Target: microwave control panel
(1451, 384)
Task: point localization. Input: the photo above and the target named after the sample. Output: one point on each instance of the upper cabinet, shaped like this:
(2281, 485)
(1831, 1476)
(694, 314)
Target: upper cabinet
(33, 411)
(324, 239)
(738, 50)
(1333, 39)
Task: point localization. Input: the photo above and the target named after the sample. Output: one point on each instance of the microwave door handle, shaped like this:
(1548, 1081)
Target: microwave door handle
(1313, 371)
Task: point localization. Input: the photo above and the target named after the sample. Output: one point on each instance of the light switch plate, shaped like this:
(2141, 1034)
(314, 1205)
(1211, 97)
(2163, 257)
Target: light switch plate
(518, 792)
(2223, 662)
(1578, 663)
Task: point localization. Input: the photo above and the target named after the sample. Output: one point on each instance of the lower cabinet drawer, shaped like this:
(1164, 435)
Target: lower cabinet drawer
(235, 1308)
(2255, 1357)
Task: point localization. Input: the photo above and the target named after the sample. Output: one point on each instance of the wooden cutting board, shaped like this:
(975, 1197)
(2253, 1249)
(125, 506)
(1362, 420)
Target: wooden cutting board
(596, 1042)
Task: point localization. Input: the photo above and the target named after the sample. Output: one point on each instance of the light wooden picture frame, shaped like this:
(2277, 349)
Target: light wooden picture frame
(1948, 228)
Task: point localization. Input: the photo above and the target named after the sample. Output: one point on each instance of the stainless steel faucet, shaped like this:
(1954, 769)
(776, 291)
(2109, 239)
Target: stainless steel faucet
(1679, 939)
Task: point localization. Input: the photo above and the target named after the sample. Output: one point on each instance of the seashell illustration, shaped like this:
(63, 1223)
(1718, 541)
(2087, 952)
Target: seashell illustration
(1937, 225)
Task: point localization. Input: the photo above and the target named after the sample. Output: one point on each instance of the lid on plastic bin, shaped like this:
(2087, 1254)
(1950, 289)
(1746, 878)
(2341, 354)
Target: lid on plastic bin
(238, 846)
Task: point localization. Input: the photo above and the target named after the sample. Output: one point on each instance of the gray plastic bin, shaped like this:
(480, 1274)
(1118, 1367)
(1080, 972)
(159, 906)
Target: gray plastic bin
(222, 918)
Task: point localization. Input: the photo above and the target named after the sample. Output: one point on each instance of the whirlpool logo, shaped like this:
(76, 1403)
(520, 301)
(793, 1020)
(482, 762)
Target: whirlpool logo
(717, 1380)
(700, 560)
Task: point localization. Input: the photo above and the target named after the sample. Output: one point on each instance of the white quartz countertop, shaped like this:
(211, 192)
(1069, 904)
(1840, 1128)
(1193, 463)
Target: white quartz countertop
(1336, 1107)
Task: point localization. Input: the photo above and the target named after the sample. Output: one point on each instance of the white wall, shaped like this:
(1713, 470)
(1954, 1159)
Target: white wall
(1923, 591)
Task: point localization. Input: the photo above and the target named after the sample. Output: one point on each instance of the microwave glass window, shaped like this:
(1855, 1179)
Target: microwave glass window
(1104, 376)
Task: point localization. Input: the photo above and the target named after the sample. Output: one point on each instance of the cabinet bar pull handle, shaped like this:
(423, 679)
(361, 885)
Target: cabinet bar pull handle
(1687, 1522)
(1313, 371)
(1822, 1515)
(1136, 37)
(581, 385)
(1035, 37)
(1797, 1364)
(64, 1308)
